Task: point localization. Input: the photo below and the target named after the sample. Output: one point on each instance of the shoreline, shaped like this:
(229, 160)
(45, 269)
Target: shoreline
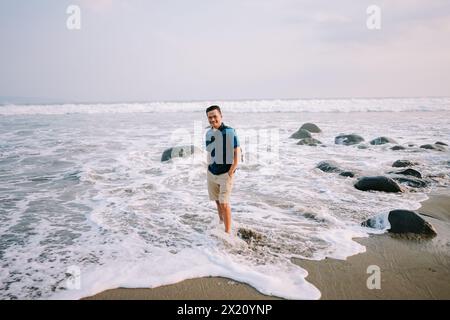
(409, 269)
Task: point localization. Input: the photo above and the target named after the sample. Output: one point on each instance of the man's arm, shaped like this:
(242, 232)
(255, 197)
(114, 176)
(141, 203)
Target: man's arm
(236, 157)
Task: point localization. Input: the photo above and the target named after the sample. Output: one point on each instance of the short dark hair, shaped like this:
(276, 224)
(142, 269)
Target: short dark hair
(213, 108)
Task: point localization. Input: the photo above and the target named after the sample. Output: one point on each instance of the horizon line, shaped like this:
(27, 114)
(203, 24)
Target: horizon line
(81, 102)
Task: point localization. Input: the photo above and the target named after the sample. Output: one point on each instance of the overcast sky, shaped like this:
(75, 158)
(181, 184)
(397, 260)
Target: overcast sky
(145, 50)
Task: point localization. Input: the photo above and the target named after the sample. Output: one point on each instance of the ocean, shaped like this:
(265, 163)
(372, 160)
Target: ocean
(86, 203)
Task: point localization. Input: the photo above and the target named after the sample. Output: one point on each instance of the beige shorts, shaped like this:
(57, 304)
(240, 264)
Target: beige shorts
(219, 187)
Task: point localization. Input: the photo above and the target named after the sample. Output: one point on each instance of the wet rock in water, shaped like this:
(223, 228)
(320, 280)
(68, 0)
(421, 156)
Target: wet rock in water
(382, 140)
(348, 139)
(405, 221)
(411, 182)
(436, 147)
(377, 183)
(379, 221)
(309, 142)
(403, 163)
(311, 127)
(441, 143)
(408, 172)
(329, 166)
(398, 147)
(179, 152)
(347, 174)
(301, 134)
(249, 235)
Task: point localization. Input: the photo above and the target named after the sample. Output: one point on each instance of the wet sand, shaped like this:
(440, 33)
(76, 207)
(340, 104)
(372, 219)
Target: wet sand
(409, 269)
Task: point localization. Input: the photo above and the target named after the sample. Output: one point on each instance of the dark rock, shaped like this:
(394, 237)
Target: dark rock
(329, 166)
(411, 182)
(368, 223)
(249, 235)
(347, 174)
(405, 221)
(348, 139)
(398, 147)
(178, 152)
(311, 127)
(382, 140)
(363, 146)
(309, 142)
(377, 183)
(408, 172)
(441, 143)
(403, 163)
(436, 147)
(301, 134)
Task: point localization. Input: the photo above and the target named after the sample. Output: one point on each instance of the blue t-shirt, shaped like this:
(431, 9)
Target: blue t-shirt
(221, 143)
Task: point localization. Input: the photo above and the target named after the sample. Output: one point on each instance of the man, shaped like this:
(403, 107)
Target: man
(223, 148)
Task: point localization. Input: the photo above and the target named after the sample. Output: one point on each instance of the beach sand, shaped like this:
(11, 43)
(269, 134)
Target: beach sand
(409, 269)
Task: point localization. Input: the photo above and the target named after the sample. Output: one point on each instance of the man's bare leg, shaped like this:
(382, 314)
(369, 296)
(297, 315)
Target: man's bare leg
(226, 214)
(219, 211)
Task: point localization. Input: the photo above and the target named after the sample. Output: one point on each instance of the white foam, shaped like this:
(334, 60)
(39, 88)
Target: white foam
(128, 220)
(380, 221)
(164, 269)
(244, 106)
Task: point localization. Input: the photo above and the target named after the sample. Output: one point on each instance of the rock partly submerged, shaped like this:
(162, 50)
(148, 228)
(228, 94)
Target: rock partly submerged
(377, 183)
(309, 142)
(408, 176)
(249, 235)
(311, 127)
(405, 222)
(382, 140)
(301, 134)
(347, 174)
(332, 167)
(348, 139)
(437, 147)
(408, 172)
(329, 166)
(179, 152)
(403, 163)
(411, 181)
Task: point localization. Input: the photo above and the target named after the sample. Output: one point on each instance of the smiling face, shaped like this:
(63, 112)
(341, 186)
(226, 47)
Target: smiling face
(214, 118)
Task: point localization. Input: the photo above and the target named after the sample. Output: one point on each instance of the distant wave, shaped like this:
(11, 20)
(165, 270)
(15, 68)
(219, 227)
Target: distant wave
(301, 105)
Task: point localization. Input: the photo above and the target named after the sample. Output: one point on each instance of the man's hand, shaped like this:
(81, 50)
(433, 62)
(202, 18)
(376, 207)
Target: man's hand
(235, 162)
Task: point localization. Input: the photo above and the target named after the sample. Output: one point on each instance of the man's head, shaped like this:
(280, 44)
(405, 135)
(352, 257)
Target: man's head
(214, 116)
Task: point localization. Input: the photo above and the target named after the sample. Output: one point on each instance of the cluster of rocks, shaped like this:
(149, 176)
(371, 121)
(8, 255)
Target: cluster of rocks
(402, 222)
(305, 135)
(333, 167)
(389, 183)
